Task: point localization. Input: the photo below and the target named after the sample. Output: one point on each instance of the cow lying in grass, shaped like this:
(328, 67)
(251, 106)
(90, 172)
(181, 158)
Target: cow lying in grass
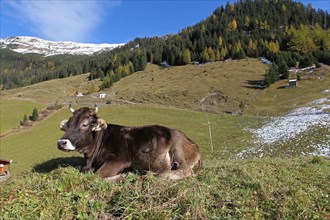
(110, 149)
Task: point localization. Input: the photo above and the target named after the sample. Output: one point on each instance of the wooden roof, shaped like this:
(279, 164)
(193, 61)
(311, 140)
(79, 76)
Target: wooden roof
(5, 161)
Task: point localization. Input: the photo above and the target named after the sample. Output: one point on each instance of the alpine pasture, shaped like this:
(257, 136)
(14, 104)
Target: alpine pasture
(281, 180)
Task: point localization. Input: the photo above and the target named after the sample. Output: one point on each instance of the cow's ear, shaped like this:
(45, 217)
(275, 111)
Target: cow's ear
(100, 125)
(63, 125)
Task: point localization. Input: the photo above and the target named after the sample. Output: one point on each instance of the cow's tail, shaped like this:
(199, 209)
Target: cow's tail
(200, 160)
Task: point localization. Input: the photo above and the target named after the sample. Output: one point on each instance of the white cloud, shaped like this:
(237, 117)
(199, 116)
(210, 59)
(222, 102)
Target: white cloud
(63, 20)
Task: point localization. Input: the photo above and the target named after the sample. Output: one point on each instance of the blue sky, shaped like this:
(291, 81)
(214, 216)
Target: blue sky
(106, 21)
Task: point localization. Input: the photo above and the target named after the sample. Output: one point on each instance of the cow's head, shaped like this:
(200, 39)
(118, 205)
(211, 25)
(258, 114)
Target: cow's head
(80, 130)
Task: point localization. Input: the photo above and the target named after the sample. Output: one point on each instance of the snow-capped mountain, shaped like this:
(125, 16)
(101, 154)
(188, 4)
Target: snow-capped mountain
(25, 44)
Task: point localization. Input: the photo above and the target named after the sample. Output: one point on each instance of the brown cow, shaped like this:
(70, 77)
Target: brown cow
(110, 149)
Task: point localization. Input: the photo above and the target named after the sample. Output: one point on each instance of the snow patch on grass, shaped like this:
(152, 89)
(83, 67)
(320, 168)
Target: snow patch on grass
(292, 126)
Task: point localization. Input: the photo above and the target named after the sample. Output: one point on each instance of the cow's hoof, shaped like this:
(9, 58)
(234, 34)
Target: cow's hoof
(117, 178)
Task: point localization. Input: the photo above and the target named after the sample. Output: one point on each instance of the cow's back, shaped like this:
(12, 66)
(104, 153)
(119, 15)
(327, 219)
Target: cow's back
(142, 147)
(150, 146)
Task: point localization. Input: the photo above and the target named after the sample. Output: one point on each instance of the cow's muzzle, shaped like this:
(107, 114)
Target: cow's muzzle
(65, 145)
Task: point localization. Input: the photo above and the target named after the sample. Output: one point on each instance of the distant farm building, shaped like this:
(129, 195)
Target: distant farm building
(266, 61)
(165, 64)
(102, 95)
(80, 94)
(293, 83)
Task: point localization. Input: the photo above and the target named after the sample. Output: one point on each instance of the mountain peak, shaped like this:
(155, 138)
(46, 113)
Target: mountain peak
(27, 44)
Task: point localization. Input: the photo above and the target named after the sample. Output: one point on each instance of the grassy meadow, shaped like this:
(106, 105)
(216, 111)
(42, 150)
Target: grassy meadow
(39, 142)
(47, 183)
(277, 99)
(60, 90)
(192, 86)
(13, 111)
(226, 189)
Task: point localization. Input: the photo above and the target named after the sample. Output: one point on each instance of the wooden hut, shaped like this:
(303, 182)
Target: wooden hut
(5, 167)
(293, 83)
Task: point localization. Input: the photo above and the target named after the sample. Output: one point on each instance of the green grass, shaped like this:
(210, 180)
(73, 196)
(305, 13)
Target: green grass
(278, 100)
(229, 134)
(226, 189)
(35, 144)
(61, 90)
(39, 142)
(13, 111)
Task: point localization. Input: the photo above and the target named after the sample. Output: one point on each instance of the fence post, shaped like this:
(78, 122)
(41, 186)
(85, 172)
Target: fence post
(210, 132)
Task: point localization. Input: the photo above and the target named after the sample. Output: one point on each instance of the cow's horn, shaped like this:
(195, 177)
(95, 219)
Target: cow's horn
(71, 109)
(63, 123)
(96, 107)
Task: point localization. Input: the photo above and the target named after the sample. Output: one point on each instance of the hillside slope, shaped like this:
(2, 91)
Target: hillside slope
(61, 90)
(234, 86)
(213, 87)
(230, 86)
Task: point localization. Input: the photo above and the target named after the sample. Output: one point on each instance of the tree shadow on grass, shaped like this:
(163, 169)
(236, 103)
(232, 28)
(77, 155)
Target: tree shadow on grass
(52, 164)
(282, 87)
(255, 84)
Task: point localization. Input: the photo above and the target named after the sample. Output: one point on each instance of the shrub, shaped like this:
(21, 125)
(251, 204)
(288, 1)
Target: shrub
(323, 56)
(283, 70)
(34, 115)
(272, 75)
(307, 60)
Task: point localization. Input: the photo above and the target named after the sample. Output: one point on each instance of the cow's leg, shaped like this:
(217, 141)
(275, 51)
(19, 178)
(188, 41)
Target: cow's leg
(181, 173)
(161, 163)
(112, 168)
(88, 166)
(116, 178)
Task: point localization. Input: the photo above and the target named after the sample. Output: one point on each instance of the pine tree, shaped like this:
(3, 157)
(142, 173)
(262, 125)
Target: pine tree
(272, 75)
(186, 57)
(223, 53)
(218, 56)
(252, 49)
(34, 115)
(220, 42)
(211, 54)
(205, 56)
(233, 25)
(247, 21)
(131, 67)
(273, 47)
(283, 70)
